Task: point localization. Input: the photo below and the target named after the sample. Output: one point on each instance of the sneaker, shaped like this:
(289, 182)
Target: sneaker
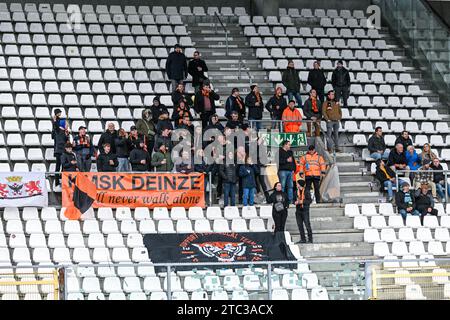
(300, 242)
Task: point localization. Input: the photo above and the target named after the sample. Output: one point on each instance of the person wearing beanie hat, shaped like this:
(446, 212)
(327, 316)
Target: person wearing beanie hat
(235, 103)
(176, 66)
(425, 175)
(254, 103)
(291, 81)
(197, 68)
(139, 157)
(405, 201)
(60, 136)
(341, 82)
(157, 108)
(302, 212)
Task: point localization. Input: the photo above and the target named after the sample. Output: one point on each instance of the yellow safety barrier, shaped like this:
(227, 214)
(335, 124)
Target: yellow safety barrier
(29, 286)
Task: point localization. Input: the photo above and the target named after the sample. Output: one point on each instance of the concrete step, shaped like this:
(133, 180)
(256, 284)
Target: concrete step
(333, 238)
(336, 249)
(354, 178)
(362, 197)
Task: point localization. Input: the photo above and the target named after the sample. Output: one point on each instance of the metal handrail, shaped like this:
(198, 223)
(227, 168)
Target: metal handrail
(224, 28)
(242, 66)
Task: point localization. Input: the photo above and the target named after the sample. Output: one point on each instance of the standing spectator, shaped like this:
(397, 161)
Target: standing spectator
(157, 108)
(109, 136)
(397, 158)
(179, 95)
(332, 114)
(146, 127)
(228, 172)
(312, 168)
(424, 202)
(235, 103)
(291, 81)
(313, 112)
(234, 121)
(181, 111)
(123, 148)
(135, 138)
(186, 165)
(248, 172)
(386, 177)
(425, 176)
(291, 113)
(317, 80)
(254, 103)
(377, 146)
(427, 153)
(413, 160)
(276, 105)
(439, 179)
(214, 123)
(176, 67)
(163, 122)
(84, 150)
(60, 136)
(280, 207)
(302, 212)
(162, 160)
(406, 202)
(187, 125)
(163, 138)
(140, 158)
(205, 103)
(286, 169)
(197, 68)
(404, 139)
(68, 159)
(341, 82)
(107, 161)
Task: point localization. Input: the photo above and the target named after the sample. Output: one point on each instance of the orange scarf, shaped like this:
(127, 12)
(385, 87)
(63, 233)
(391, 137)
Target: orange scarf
(239, 102)
(314, 105)
(258, 97)
(205, 93)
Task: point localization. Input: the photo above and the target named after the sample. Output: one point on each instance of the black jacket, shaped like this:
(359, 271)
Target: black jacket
(272, 103)
(103, 164)
(283, 163)
(217, 126)
(291, 80)
(254, 112)
(177, 96)
(308, 109)
(423, 201)
(162, 125)
(59, 137)
(400, 200)
(437, 176)
(176, 66)
(136, 156)
(197, 76)
(134, 143)
(228, 172)
(232, 105)
(233, 124)
(396, 158)
(382, 177)
(316, 79)
(340, 78)
(179, 113)
(108, 137)
(159, 140)
(66, 159)
(199, 104)
(157, 110)
(285, 200)
(123, 147)
(404, 142)
(376, 143)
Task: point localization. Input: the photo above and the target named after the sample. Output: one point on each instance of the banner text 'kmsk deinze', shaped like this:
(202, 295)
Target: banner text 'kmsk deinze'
(141, 189)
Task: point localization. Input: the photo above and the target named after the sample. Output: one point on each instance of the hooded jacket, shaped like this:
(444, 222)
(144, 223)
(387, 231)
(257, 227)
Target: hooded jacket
(176, 66)
(146, 127)
(292, 115)
(413, 160)
(291, 79)
(157, 110)
(136, 156)
(103, 164)
(248, 173)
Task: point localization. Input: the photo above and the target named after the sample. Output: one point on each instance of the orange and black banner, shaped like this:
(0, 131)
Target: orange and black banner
(139, 189)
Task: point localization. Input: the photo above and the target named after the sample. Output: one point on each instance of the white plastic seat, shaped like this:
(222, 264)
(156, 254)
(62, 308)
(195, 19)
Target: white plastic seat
(231, 212)
(371, 235)
(161, 214)
(221, 225)
(213, 213)
(202, 226)
(406, 234)
(413, 222)
(399, 248)
(423, 234)
(381, 249)
(351, 210)
(414, 292)
(395, 221)
(239, 225)
(416, 247)
(360, 222)
(388, 235)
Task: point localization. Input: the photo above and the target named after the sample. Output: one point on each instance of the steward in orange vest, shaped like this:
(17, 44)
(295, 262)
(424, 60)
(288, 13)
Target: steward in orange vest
(312, 167)
(291, 113)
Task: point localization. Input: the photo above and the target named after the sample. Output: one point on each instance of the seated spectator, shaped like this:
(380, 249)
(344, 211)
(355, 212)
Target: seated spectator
(234, 122)
(387, 178)
(439, 179)
(163, 122)
(68, 159)
(377, 146)
(405, 202)
(163, 138)
(186, 165)
(425, 202)
(109, 136)
(290, 114)
(107, 161)
(427, 153)
(157, 108)
(413, 161)
(140, 158)
(313, 112)
(228, 172)
(179, 95)
(276, 105)
(235, 103)
(146, 128)
(397, 158)
(181, 111)
(425, 176)
(404, 139)
(123, 148)
(162, 160)
(214, 123)
(248, 172)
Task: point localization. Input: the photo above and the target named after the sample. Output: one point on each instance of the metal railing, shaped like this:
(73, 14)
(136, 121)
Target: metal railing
(224, 28)
(242, 66)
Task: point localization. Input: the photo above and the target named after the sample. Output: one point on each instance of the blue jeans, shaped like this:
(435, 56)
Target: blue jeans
(229, 190)
(378, 156)
(255, 124)
(124, 165)
(389, 184)
(440, 190)
(291, 94)
(248, 198)
(287, 182)
(403, 213)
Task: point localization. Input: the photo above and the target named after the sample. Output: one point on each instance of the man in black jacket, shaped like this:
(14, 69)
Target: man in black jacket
(60, 136)
(140, 159)
(176, 67)
(424, 202)
(276, 105)
(197, 68)
(228, 172)
(404, 139)
(377, 146)
(109, 136)
(387, 178)
(397, 158)
(291, 81)
(205, 103)
(214, 123)
(123, 148)
(254, 103)
(157, 108)
(107, 161)
(317, 80)
(313, 112)
(341, 82)
(286, 168)
(439, 179)
(179, 94)
(234, 122)
(68, 159)
(235, 103)
(405, 202)
(303, 203)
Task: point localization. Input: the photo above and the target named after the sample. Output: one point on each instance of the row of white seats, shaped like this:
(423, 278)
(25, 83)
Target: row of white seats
(261, 21)
(305, 32)
(390, 114)
(345, 23)
(396, 221)
(406, 234)
(27, 296)
(397, 126)
(416, 247)
(322, 43)
(359, 55)
(321, 13)
(418, 140)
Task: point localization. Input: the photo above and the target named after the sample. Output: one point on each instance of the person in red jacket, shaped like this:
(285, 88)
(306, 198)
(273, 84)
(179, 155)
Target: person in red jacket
(291, 113)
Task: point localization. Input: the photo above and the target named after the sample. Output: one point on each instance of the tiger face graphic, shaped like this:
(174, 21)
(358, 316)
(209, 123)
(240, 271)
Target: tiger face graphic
(223, 251)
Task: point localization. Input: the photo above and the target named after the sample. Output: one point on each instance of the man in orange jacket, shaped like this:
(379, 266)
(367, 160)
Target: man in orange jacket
(312, 168)
(291, 113)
